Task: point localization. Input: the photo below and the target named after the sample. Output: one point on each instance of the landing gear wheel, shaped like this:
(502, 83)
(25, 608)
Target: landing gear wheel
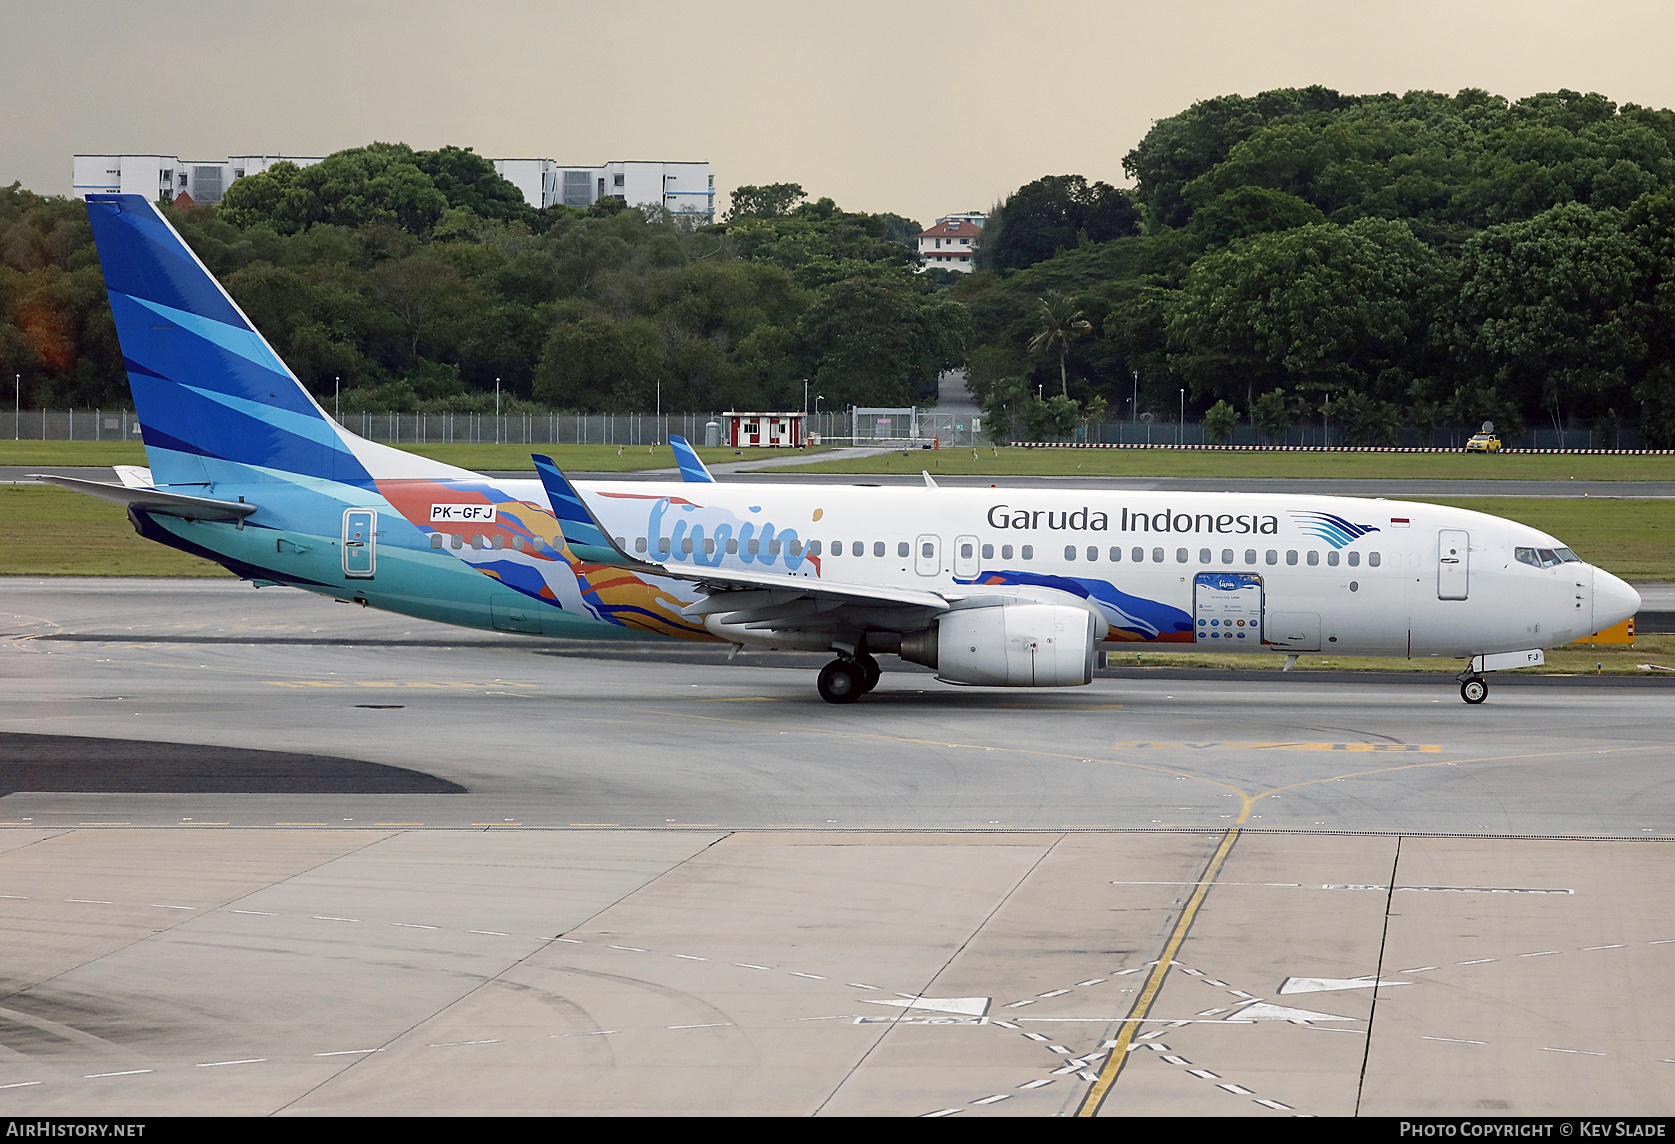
(1474, 691)
(841, 682)
(870, 671)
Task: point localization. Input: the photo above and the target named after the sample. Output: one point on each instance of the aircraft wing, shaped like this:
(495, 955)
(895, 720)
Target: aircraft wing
(692, 468)
(752, 597)
(154, 500)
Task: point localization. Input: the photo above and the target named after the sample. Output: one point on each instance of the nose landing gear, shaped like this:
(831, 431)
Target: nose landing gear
(1474, 689)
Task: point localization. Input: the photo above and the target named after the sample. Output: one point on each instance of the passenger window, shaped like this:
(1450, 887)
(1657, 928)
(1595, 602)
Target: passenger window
(663, 545)
(732, 547)
(773, 548)
(1227, 556)
(1291, 556)
(878, 548)
(1070, 552)
(477, 541)
(709, 546)
(686, 545)
(500, 543)
(753, 547)
(1373, 559)
(1093, 553)
(1157, 556)
(1006, 552)
(857, 548)
(1354, 559)
(813, 547)
(1116, 556)
(1180, 556)
(639, 544)
(459, 541)
(988, 552)
(1250, 556)
(1332, 559)
(1203, 556)
(1314, 558)
(436, 540)
(1272, 557)
(795, 549)
(904, 548)
(1027, 552)
(965, 551)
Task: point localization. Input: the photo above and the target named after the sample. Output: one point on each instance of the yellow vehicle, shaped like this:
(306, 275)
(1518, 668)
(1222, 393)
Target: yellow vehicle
(1484, 443)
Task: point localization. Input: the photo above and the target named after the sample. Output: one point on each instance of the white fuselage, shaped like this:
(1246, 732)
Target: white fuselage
(1303, 573)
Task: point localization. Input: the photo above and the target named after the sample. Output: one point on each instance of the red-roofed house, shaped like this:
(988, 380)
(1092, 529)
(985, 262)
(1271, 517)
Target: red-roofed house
(950, 244)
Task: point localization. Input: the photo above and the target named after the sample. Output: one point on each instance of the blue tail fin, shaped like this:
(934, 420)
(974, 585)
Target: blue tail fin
(692, 468)
(214, 400)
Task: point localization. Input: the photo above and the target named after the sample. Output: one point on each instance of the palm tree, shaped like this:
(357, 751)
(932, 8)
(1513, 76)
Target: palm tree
(1058, 324)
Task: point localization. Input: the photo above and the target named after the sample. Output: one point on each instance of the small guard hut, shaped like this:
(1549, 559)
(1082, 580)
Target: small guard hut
(765, 430)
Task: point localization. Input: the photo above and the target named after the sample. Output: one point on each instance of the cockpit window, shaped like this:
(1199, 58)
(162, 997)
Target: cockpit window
(1549, 558)
(1527, 556)
(1568, 556)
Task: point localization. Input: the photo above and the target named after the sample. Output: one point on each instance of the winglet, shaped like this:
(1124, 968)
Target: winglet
(588, 540)
(929, 483)
(692, 469)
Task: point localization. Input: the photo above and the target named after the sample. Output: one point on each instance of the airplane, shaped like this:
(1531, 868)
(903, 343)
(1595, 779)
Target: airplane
(987, 586)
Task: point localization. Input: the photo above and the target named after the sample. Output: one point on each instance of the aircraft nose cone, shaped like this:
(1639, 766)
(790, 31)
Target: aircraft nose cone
(1614, 600)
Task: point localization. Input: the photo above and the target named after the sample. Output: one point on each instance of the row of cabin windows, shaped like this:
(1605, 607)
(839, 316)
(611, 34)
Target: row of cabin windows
(797, 548)
(1208, 556)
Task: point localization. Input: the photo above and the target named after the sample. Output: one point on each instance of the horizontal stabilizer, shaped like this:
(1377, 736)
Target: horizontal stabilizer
(692, 468)
(154, 500)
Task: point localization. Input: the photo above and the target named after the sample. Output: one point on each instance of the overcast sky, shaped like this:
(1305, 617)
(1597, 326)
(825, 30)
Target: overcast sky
(921, 107)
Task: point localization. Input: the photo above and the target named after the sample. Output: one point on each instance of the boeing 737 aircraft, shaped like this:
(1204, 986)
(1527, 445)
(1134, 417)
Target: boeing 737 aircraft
(992, 587)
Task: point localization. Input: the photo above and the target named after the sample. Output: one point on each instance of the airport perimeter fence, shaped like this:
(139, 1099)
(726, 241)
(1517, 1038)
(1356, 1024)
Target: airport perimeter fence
(926, 428)
(622, 429)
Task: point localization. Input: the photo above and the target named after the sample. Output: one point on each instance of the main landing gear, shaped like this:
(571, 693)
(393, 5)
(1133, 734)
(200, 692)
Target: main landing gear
(1474, 689)
(846, 680)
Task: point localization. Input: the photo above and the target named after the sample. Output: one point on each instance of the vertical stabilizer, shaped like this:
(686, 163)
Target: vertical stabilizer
(692, 467)
(213, 398)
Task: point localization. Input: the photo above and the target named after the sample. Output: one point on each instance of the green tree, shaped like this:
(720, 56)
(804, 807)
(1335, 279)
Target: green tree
(1058, 324)
(1219, 422)
(775, 200)
(1053, 213)
(1272, 415)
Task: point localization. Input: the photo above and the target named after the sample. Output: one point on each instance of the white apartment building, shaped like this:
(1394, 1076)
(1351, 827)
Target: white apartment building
(683, 188)
(950, 244)
(166, 176)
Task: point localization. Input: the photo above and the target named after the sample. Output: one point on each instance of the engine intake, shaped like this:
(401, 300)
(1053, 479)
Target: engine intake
(1010, 645)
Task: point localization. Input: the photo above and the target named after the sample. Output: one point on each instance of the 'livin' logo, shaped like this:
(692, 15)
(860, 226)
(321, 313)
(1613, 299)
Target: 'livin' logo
(1334, 530)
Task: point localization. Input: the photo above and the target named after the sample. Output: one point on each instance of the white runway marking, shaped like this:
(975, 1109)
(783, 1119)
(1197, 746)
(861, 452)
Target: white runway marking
(1587, 948)
(258, 913)
(130, 1072)
(747, 965)
(629, 948)
(21, 1084)
(711, 1025)
(348, 1052)
(1041, 1083)
(1578, 1052)
(411, 925)
(695, 957)
(88, 901)
(218, 1064)
(810, 976)
(489, 932)
(326, 918)
(1454, 1040)
(1238, 1090)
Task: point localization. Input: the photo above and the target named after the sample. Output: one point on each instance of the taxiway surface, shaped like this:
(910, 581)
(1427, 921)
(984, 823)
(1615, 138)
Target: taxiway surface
(668, 884)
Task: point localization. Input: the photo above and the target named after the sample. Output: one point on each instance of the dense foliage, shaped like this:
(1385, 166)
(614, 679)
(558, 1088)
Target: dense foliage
(420, 280)
(1414, 260)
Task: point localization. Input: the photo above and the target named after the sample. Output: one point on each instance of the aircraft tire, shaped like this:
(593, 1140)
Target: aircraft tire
(1474, 691)
(870, 672)
(841, 682)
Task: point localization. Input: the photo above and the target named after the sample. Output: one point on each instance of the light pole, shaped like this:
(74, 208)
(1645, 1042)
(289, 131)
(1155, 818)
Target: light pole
(337, 389)
(497, 411)
(657, 423)
(1180, 431)
(17, 408)
(805, 397)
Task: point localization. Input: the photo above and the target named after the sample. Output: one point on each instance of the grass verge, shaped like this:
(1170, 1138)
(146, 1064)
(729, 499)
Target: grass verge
(1658, 649)
(1013, 462)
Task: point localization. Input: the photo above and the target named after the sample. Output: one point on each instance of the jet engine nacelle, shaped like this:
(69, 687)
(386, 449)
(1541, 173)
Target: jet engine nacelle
(1011, 645)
